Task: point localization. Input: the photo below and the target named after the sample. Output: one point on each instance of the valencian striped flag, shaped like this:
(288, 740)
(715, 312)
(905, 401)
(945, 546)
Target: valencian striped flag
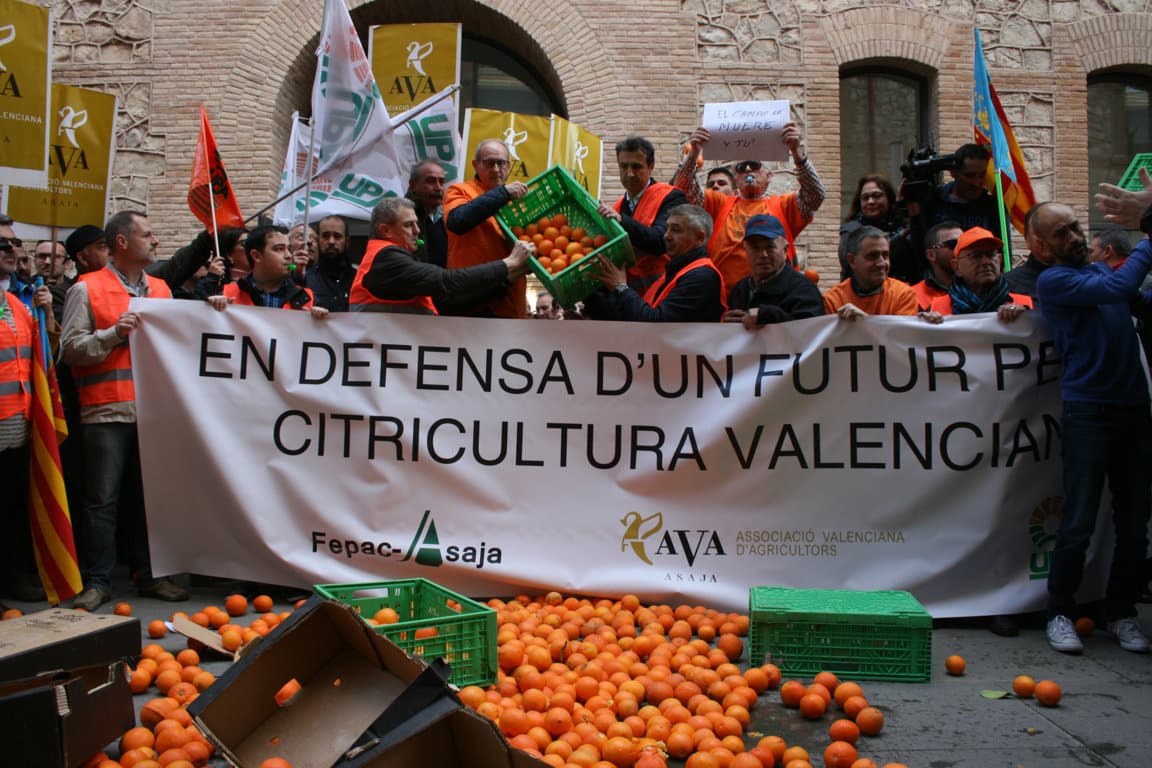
(992, 129)
(47, 501)
(210, 195)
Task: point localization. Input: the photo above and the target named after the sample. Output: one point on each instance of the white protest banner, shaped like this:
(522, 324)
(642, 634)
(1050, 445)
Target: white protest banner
(359, 165)
(746, 130)
(685, 461)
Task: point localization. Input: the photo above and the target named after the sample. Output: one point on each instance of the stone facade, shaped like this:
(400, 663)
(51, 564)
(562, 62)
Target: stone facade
(644, 67)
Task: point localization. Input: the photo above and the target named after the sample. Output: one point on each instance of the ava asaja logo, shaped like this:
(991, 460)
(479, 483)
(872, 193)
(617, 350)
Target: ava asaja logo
(65, 157)
(426, 549)
(648, 538)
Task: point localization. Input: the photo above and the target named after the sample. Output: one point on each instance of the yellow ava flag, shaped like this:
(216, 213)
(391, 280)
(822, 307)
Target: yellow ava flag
(413, 62)
(578, 150)
(79, 162)
(25, 76)
(528, 138)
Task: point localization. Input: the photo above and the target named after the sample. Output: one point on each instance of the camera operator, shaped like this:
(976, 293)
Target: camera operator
(964, 200)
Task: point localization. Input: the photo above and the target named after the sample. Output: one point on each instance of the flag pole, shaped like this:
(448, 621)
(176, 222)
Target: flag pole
(1003, 221)
(406, 117)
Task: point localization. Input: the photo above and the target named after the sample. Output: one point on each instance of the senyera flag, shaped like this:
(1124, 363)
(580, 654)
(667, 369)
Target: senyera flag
(992, 129)
(210, 195)
(47, 500)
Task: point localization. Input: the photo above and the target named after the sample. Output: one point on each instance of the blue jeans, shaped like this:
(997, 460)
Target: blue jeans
(114, 496)
(1113, 442)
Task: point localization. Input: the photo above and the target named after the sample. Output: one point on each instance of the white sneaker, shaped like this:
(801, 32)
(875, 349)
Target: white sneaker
(1062, 635)
(1128, 632)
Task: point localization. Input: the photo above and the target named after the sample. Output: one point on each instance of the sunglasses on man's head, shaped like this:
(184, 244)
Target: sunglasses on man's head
(748, 165)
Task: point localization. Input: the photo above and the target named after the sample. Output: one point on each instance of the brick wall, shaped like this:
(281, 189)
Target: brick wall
(642, 67)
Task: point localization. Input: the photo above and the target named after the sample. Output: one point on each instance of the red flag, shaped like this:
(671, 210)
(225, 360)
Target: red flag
(47, 501)
(208, 173)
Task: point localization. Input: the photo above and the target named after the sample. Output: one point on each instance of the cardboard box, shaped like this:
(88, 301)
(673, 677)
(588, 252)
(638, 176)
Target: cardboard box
(461, 739)
(356, 686)
(61, 720)
(61, 639)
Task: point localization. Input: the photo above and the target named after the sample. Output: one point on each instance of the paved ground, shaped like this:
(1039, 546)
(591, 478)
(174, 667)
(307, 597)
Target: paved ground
(1105, 718)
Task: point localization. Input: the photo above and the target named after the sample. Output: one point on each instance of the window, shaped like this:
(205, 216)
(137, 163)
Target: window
(491, 78)
(882, 118)
(1119, 126)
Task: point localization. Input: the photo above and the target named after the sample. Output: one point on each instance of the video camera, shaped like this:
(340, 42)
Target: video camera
(921, 171)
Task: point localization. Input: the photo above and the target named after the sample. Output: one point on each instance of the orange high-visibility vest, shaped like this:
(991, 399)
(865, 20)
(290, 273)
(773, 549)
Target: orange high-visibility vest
(16, 363)
(241, 298)
(110, 381)
(648, 266)
(659, 291)
(360, 299)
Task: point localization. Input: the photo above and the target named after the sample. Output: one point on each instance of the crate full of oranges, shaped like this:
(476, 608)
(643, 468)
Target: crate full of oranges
(561, 218)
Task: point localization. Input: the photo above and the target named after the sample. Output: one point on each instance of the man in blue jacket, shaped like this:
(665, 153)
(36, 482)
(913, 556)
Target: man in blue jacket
(1106, 428)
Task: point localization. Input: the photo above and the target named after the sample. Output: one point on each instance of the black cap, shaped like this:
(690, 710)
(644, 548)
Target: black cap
(83, 237)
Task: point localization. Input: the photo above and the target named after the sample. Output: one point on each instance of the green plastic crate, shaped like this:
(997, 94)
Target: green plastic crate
(465, 638)
(858, 635)
(553, 192)
(1131, 178)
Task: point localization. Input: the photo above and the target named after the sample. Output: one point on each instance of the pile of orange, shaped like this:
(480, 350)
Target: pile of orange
(558, 245)
(616, 684)
(166, 736)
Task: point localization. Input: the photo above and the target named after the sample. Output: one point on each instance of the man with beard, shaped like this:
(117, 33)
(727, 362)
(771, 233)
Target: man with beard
(1106, 429)
(869, 290)
(977, 285)
(939, 248)
(331, 280)
(773, 292)
(50, 260)
(426, 191)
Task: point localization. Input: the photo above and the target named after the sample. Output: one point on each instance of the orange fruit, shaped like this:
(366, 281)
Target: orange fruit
(621, 752)
(560, 219)
(702, 760)
(188, 658)
(820, 690)
(1048, 693)
(236, 605)
(793, 753)
(231, 640)
(122, 609)
(275, 762)
(732, 646)
(865, 762)
(262, 603)
(561, 242)
(550, 232)
(11, 613)
(167, 678)
(870, 720)
(813, 706)
(139, 680)
(839, 754)
(543, 223)
(853, 705)
(827, 679)
(175, 756)
(157, 629)
(386, 616)
(171, 738)
(203, 680)
(138, 755)
(955, 665)
(513, 722)
(424, 632)
(1085, 626)
(844, 730)
(137, 737)
(544, 261)
(287, 691)
(791, 692)
(845, 691)
(599, 240)
(774, 744)
(1024, 686)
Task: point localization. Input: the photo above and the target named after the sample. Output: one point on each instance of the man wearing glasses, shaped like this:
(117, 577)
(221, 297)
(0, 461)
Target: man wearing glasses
(939, 247)
(978, 285)
(50, 260)
(731, 212)
(474, 237)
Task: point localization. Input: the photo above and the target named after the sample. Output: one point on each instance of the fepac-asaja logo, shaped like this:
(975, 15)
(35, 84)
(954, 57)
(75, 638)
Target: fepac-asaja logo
(653, 544)
(1043, 524)
(65, 157)
(426, 549)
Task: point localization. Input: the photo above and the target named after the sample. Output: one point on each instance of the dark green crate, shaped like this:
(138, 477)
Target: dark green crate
(465, 638)
(1131, 178)
(553, 192)
(857, 635)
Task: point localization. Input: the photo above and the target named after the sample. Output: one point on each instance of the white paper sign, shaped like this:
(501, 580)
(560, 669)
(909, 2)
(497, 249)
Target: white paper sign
(746, 130)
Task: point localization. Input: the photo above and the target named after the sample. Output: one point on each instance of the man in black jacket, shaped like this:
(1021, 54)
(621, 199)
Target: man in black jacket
(391, 279)
(773, 292)
(426, 191)
(331, 280)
